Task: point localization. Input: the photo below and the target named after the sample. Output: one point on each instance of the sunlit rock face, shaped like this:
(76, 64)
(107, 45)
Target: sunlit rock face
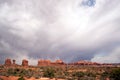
(24, 62)
(8, 62)
(50, 63)
(84, 62)
(44, 62)
(59, 62)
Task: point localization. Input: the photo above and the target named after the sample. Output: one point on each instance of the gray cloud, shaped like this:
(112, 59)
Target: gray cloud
(59, 29)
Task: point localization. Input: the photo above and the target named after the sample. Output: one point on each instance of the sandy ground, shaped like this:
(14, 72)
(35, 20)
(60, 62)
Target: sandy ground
(32, 78)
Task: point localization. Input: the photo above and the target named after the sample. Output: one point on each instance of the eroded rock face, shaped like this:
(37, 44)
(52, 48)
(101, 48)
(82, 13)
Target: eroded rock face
(59, 62)
(44, 62)
(49, 63)
(24, 62)
(14, 62)
(8, 62)
(83, 62)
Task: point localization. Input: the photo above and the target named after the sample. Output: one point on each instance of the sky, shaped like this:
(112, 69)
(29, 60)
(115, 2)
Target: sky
(70, 30)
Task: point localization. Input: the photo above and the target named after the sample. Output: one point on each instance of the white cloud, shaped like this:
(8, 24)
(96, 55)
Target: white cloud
(59, 28)
(112, 57)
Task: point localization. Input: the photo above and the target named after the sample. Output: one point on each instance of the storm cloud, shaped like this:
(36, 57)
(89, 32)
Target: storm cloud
(60, 29)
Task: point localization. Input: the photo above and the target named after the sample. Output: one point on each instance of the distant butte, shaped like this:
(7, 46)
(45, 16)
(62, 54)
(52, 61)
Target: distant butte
(49, 63)
(59, 62)
(84, 62)
(24, 62)
(8, 62)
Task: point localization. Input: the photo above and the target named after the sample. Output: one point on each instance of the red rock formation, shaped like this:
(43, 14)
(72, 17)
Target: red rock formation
(80, 62)
(84, 62)
(59, 62)
(49, 63)
(8, 62)
(24, 62)
(44, 62)
(14, 62)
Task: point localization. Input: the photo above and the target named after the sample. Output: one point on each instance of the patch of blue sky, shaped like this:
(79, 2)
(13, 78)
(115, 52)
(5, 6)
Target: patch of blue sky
(89, 3)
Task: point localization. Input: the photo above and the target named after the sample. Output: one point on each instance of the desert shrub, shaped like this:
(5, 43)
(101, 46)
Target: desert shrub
(66, 73)
(90, 74)
(21, 78)
(105, 74)
(17, 70)
(115, 74)
(59, 73)
(49, 72)
(78, 74)
(10, 71)
(23, 72)
(29, 73)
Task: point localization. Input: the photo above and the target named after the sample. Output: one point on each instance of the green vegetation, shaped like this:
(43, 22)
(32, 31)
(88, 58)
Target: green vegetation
(90, 74)
(10, 71)
(115, 74)
(78, 74)
(17, 72)
(105, 74)
(71, 73)
(49, 72)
